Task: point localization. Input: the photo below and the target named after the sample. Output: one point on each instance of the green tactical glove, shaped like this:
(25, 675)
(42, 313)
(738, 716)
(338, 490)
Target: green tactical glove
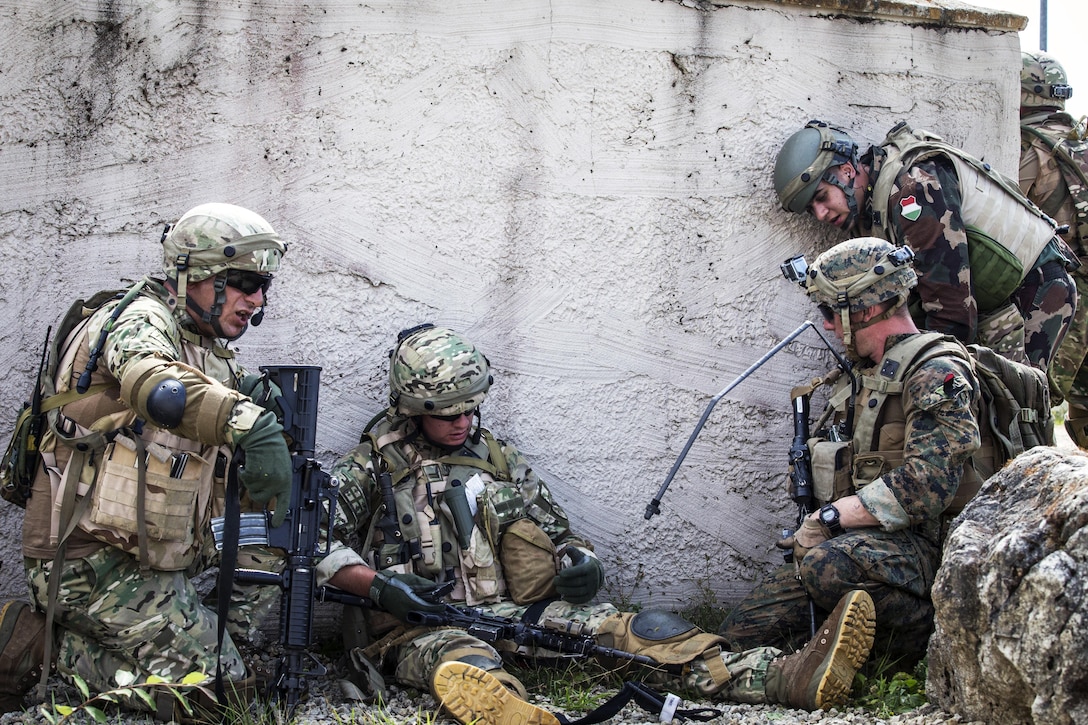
(266, 473)
(262, 391)
(579, 582)
(399, 594)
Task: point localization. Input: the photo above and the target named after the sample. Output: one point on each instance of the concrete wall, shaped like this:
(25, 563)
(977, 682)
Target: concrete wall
(581, 187)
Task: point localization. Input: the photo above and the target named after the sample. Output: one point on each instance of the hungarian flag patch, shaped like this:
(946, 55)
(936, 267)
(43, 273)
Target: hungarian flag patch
(909, 208)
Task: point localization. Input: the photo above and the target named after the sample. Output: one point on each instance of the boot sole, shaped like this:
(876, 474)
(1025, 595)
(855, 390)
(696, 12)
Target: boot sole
(474, 696)
(854, 639)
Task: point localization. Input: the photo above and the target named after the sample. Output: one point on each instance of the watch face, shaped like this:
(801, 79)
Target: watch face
(827, 515)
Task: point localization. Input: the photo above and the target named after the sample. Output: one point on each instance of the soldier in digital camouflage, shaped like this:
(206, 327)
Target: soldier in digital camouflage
(992, 269)
(442, 508)
(1053, 167)
(132, 469)
(887, 461)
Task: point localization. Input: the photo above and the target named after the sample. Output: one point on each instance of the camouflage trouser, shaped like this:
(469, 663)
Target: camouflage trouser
(1068, 373)
(1048, 298)
(416, 660)
(897, 570)
(111, 618)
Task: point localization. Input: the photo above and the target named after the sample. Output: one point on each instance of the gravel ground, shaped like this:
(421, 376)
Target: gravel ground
(326, 703)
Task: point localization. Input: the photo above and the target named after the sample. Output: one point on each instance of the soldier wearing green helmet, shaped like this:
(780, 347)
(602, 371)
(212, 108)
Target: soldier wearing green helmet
(1054, 175)
(888, 460)
(436, 503)
(133, 463)
(992, 268)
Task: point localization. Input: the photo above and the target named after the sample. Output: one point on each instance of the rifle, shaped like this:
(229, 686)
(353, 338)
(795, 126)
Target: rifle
(561, 636)
(313, 496)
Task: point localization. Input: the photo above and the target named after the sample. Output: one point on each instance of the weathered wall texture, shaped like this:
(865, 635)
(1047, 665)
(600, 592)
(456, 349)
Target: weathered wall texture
(581, 187)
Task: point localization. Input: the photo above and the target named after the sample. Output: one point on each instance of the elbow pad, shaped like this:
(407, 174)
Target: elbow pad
(208, 403)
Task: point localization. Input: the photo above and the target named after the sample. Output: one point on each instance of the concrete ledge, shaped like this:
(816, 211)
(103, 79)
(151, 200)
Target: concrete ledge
(944, 13)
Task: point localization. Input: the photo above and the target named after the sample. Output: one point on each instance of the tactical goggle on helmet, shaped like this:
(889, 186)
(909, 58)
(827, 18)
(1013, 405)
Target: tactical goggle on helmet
(436, 371)
(805, 160)
(856, 275)
(214, 238)
(1043, 82)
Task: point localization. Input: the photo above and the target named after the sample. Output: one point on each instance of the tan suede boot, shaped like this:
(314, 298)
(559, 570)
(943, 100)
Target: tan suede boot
(22, 647)
(821, 674)
(479, 697)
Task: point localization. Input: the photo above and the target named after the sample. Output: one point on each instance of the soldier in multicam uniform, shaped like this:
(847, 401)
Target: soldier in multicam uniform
(1053, 165)
(992, 268)
(471, 514)
(888, 481)
(118, 519)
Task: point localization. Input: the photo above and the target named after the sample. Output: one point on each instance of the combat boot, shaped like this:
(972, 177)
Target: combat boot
(821, 674)
(22, 647)
(479, 697)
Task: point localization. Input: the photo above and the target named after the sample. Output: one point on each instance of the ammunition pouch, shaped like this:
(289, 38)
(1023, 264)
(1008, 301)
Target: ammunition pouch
(832, 463)
(529, 562)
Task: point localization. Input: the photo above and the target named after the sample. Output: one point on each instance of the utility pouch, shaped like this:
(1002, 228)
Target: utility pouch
(868, 467)
(831, 469)
(529, 562)
(996, 270)
(173, 480)
(20, 462)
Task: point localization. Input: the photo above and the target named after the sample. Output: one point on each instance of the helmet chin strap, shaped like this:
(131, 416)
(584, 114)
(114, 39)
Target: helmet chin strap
(211, 317)
(848, 189)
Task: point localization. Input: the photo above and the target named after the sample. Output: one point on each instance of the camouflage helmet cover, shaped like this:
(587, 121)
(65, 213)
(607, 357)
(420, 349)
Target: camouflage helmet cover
(436, 371)
(212, 238)
(861, 273)
(804, 160)
(1043, 83)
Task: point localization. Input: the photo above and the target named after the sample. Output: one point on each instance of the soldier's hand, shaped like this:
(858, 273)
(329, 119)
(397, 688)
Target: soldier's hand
(579, 582)
(812, 533)
(262, 391)
(399, 594)
(266, 473)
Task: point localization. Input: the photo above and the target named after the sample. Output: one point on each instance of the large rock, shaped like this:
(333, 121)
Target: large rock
(1011, 598)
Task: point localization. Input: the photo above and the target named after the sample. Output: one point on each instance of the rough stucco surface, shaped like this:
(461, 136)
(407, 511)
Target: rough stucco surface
(582, 188)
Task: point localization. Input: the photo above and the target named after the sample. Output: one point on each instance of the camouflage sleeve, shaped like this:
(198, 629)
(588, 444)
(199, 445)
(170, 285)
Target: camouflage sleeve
(358, 489)
(925, 214)
(540, 505)
(941, 433)
(145, 328)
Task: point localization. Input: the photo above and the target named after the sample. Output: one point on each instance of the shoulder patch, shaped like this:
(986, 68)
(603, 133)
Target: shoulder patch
(909, 208)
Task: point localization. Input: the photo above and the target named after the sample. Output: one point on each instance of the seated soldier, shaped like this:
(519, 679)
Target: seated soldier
(472, 515)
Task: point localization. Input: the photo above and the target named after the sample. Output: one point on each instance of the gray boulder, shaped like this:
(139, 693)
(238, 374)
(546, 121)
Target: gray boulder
(1011, 597)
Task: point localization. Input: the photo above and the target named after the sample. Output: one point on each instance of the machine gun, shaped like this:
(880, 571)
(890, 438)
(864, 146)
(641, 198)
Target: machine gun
(557, 635)
(313, 497)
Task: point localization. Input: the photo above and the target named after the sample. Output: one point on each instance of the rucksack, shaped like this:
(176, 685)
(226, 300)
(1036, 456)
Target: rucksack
(39, 415)
(1014, 407)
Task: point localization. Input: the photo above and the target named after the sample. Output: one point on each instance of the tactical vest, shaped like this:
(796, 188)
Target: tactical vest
(87, 493)
(876, 445)
(428, 505)
(1058, 136)
(1006, 233)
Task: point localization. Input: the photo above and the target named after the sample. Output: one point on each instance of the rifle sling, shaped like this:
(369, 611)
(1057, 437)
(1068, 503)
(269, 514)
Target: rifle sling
(228, 561)
(646, 698)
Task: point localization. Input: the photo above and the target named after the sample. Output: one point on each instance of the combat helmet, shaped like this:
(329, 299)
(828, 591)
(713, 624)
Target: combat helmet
(1044, 85)
(858, 274)
(210, 240)
(436, 371)
(809, 157)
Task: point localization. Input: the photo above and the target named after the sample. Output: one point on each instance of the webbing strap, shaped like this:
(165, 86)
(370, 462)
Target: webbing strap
(228, 560)
(646, 698)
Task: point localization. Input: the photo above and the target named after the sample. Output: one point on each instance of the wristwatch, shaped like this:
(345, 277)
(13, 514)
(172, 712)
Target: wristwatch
(829, 517)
